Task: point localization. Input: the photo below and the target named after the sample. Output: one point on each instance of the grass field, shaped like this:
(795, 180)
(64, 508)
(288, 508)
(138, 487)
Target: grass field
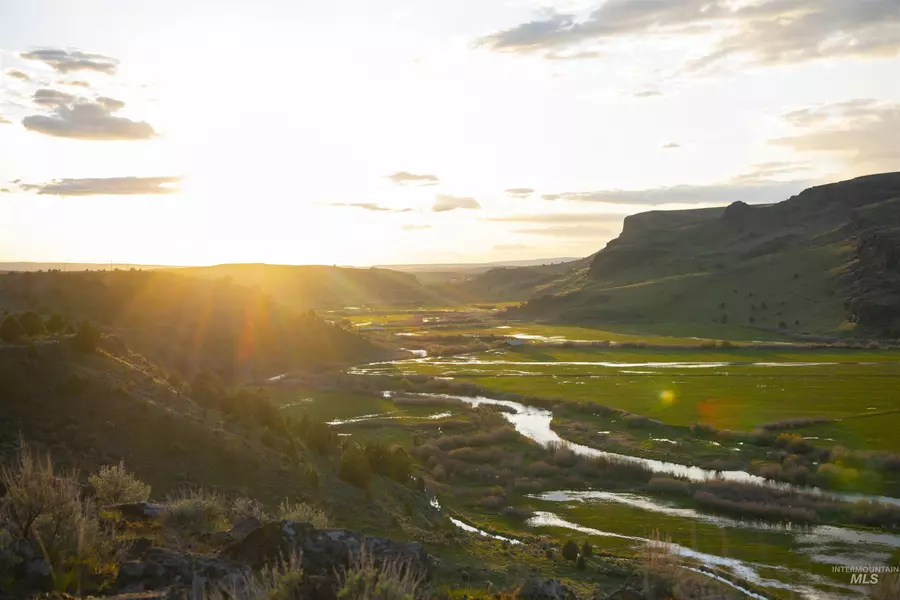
(853, 385)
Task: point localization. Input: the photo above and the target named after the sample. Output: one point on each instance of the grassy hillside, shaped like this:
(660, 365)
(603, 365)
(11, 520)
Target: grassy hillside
(315, 286)
(190, 324)
(822, 262)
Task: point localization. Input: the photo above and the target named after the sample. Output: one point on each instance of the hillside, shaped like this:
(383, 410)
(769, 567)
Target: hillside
(190, 324)
(521, 282)
(822, 262)
(317, 286)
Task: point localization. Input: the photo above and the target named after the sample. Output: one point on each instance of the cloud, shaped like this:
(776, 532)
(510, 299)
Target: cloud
(66, 61)
(751, 192)
(768, 170)
(110, 186)
(411, 227)
(671, 145)
(575, 231)
(560, 218)
(77, 83)
(551, 196)
(47, 97)
(370, 206)
(520, 192)
(4, 121)
(406, 178)
(647, 94)
(765, 32)
(85, 119)
(444, 202)
(18, 75)
(513, 247)
(863, 131)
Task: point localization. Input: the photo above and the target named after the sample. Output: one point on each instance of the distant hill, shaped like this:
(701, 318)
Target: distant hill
(69, 266)
(474, 267)
(317, 286)
(190, 324)
(825, 261)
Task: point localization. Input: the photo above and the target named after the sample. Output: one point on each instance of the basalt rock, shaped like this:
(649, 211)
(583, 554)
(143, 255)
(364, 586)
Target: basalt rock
(324, 553)
(544, 589)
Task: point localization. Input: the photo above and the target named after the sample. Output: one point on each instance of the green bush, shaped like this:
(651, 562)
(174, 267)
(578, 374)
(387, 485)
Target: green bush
(55, 324)
(45, 515)
(11, 329)
(195, 512)
(32, 323)
(74, 385)
(114, 484)
(312, 476)
(86, 338)
(392, 580)
(570, 550)
(305, 513)
(587, 549)
(355, 467)
(580, 564)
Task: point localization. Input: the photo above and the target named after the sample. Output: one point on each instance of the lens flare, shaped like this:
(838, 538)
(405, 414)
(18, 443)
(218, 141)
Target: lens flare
(667, 397)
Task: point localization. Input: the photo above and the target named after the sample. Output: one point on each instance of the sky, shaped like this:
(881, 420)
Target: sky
(415, 131)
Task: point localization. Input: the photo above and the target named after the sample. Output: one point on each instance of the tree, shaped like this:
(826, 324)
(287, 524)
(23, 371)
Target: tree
(55, 324)
(587, 549)
(581, 564)
(570, 550)
(752, 320)
(355, 468)
(782, 325)
(11, 329)
(86, 338)
(32, 323)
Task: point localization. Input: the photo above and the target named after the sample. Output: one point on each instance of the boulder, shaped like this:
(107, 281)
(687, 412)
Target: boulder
(240, 530)
(164, 568)
(324, 553)
(140, 511)
(544, 589)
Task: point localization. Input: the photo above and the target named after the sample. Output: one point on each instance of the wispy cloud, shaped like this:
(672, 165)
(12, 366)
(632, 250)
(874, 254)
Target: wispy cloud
(590, 231)
(765, 32)
(413, 227)
(66, 61)
(647, 94)
(444, 202)
(751, 192)
(85, 119)
(671, 146)
(406, 178)
(519, 192)
(48, 97)
(370, 206)
(862, 131)
(18, 75)
(109, 186)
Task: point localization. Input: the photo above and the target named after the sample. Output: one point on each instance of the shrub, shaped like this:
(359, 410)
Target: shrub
(570, 550)
(243, 508)
(587, 549)
(581, 564)
(305, 513)
(280, 582)
(115, 484)
(392, 580)
(55, 324)
(86, 338)
(32, 323)
(45, 513)
(74, 385)
(355, 467)
(11, 329)
(195, 512)
(312, 476)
